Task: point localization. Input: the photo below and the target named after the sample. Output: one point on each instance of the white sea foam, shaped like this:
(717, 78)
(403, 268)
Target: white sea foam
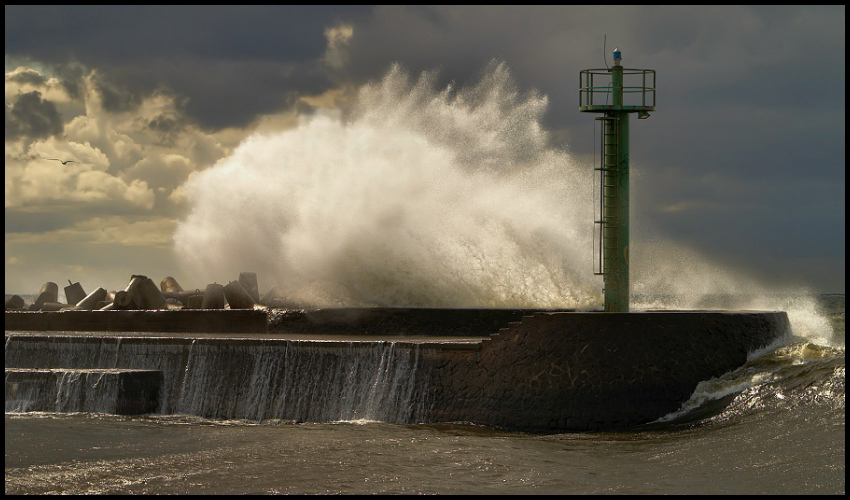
(422, 196)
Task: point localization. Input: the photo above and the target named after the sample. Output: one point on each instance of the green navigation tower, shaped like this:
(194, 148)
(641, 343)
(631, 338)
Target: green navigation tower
(615, 92)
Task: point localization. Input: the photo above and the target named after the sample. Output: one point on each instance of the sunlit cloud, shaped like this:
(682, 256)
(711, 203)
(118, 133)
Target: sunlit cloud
(123, 156)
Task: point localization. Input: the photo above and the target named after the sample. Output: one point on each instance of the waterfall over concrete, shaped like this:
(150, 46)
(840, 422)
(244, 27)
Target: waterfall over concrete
(66, 390)
(221, 378)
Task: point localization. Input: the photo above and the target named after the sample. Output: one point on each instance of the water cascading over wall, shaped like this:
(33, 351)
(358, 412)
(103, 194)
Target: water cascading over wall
(256, 380)
(117, 391)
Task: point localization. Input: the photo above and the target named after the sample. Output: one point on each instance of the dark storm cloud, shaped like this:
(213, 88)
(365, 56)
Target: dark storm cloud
(711, 55)
(224, 93)
(232, 62)
(116, 99)
(113, 35)
(33, 117)
(71, 77)
(166, 127)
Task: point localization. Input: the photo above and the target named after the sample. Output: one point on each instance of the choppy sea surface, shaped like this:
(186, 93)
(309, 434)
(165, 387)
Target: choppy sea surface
(782, 433)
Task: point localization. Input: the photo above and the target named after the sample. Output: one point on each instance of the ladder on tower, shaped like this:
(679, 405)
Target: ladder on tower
(604, 196)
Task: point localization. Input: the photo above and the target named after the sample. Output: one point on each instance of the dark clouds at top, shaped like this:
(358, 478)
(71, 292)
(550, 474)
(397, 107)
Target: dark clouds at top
(236, 62)
(114, 35)
(232, 62)
(747, 139)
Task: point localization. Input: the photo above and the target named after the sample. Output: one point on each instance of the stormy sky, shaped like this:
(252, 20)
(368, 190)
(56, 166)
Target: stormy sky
(743, 160)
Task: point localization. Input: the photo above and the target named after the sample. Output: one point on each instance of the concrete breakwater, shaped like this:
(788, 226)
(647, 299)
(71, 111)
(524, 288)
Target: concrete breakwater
(516, 369)
(597, 371)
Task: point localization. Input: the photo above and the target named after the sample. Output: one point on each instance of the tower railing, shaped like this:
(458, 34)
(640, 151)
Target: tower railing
(596, 88)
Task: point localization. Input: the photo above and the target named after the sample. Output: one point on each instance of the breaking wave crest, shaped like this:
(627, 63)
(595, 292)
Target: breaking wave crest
(418, 197)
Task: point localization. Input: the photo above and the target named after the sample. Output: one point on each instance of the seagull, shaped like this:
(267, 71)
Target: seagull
(64, 162)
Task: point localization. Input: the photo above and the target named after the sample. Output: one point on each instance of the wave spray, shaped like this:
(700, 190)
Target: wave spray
(417, 197)
(429, 197)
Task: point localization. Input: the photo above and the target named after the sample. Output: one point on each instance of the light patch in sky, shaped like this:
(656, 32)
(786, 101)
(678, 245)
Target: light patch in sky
(340, 97)
(692, 206)
(338, 39)
(41, 180)
(167, 170)
(276, 121)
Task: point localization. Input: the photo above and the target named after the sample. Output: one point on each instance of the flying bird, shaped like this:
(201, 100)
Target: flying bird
(64, 162)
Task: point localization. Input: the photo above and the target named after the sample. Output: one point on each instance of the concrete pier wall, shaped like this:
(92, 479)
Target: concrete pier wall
(596, 371)
(545, 371)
